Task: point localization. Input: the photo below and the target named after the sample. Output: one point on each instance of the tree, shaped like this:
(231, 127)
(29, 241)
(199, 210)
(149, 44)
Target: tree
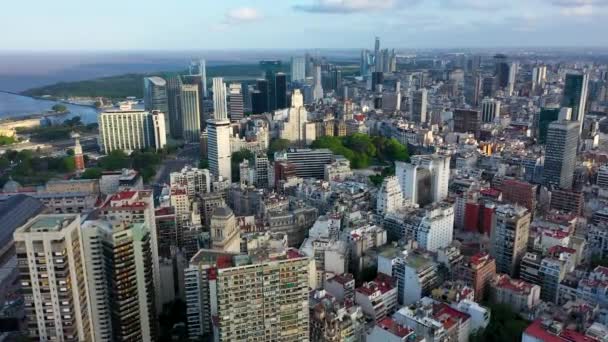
(236, 159)
(92, 173)
(59, 108)
(116, 160)
(277, 145)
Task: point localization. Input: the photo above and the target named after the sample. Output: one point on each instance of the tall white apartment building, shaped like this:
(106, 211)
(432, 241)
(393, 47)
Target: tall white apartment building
(390, 198)
(218, 148)
(425, 179)
(490, 110)
(131, 130)
(53, 279)
(436, 229)
(294, 128)
(119, 266)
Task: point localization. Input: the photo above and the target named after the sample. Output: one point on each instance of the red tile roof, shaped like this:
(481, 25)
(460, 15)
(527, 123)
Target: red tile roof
(395, 328)
(539, 332)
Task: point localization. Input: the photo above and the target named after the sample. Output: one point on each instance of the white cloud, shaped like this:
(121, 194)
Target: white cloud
(242, 14)
(479, 5)
(352, 6)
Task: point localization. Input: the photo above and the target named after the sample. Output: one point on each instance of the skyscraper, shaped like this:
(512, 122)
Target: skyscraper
(53, 279)
(235, 95)
(419, 106)
(271, 68)
(377, 56)
(220, 107)
(218, 148)
(575, 95)
(261, 101)
(131, 130)
(502, 71)
(174, 89)
(490, 109)
(298, 69)
(190, 110)
(509, 237)
(155, 94)
(197, 81)
(472, 89)
(560, 155)
(364, 63)
(281, 90)
(318, 89)
(155, 97)
(545, 117)
(199, 68)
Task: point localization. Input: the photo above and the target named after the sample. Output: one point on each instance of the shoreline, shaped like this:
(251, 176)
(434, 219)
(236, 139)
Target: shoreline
(40, 98)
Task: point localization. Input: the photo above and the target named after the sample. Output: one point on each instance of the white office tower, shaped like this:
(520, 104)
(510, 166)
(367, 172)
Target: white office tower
(235, 94)
(119, 266)
(539, 77)
(390, 197)
(490, 110)
(298, 69)
(317, 92)
(53, 279)
(190, 112)
(418, 106)
(218, 148)
(425, 179)
(199, 68)
(294, 128)
(220, 107)
(130, 130)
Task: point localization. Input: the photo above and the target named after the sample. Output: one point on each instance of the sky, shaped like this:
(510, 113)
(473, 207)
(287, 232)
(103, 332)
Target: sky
(107, 25)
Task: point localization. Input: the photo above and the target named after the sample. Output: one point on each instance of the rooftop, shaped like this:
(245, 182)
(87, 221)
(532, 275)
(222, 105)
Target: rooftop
(395, 328)
(49, 223)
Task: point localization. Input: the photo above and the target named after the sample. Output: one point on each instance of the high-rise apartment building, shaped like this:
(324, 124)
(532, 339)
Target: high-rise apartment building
(236, 105)
(419, 106)
(51, 261)
(560, 155)
(131, 130)
(502, 71)
(252, 297)
(490, 110)
(298, 69)
(220, 106)
(425, 178)
(576, 90)
(194, 181)
(472, 89)
(509, 237)
(120, 272)
(190, 113)
(218, 148)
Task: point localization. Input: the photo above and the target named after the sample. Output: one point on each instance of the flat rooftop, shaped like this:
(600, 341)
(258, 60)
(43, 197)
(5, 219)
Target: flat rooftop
(49, 223)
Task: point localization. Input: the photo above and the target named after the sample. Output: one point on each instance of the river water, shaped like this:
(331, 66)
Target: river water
(15, 106)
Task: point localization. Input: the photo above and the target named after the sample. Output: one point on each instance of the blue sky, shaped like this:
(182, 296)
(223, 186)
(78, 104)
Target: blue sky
(292, 24)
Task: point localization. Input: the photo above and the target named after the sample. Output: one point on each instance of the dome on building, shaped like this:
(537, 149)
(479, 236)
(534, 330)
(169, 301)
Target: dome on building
(222, 211)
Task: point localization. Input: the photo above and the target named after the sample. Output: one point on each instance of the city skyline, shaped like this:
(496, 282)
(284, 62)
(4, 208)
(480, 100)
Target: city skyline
(242, 24)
